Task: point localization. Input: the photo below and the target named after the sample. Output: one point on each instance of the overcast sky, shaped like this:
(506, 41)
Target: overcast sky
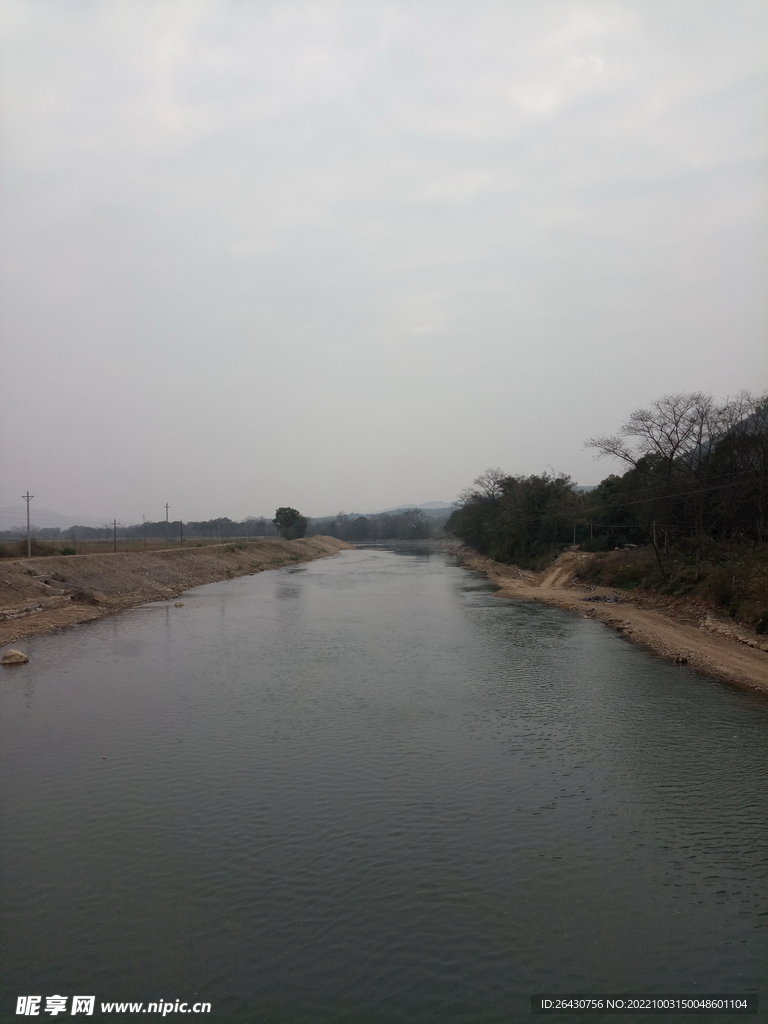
(348, 255)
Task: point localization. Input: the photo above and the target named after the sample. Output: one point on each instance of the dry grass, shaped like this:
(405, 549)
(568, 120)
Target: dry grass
(65, 545)
(732, 579)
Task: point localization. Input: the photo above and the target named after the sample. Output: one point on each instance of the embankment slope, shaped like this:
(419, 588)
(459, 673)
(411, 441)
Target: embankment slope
(40, 594)
(678, 630)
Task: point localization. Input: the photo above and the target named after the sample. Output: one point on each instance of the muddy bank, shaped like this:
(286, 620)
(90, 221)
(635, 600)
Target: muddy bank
(682, 631)
(40, 594)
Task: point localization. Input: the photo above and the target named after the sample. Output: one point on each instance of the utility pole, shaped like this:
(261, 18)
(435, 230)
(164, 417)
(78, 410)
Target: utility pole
(166, 523)
(574, 534)
(114, 535)
(181, 532)
(144, 521)
(28, 497)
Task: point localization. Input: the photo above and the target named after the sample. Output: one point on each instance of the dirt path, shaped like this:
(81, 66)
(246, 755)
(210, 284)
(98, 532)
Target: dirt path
(40, 594)
(681, 631)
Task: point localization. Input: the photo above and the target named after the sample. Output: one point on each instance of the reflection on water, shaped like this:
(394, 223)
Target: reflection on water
(366, 789)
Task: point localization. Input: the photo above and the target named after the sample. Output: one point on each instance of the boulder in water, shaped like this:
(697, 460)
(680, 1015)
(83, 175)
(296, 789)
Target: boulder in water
(14, 658)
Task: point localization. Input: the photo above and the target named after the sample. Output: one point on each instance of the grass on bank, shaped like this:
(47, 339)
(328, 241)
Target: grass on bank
(728, 578)
(66, 546)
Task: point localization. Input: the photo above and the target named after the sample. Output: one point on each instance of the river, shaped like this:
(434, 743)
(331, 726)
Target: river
(366, 790)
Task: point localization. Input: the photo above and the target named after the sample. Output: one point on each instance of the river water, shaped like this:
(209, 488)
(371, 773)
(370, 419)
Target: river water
(366, 790)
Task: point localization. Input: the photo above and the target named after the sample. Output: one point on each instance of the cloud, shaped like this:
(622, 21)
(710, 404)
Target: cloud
(540, 197)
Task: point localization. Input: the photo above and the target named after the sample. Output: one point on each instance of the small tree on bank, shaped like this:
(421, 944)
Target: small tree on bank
(290, 522)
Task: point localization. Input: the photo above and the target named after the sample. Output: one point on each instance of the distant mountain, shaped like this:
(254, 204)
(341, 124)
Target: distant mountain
(438, 512)
(12, 516)
(430, 507)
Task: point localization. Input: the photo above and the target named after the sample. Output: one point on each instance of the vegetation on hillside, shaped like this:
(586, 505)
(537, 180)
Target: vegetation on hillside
(693, 499)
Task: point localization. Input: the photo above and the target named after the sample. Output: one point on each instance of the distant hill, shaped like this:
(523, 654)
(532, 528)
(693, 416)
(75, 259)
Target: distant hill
(439, 512)
(433, 509)
(12, 516)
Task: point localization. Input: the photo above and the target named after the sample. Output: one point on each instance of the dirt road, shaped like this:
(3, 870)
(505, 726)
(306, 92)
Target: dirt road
(40, 594)
(678, 630)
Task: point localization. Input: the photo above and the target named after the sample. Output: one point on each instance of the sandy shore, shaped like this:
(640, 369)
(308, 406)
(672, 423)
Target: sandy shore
(41, 594)
(681, 631)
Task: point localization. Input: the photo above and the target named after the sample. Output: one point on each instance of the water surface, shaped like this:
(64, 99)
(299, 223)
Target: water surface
(367, 790)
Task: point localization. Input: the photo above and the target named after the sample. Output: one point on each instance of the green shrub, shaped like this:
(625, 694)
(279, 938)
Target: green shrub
(67, 551)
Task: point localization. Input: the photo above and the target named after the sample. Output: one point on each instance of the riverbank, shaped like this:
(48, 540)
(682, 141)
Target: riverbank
(681, 631)
(41, 594)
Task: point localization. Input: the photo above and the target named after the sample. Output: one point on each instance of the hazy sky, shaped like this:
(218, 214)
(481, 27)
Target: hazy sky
(347, 255)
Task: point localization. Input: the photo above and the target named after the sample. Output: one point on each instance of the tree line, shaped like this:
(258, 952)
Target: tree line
(220, 529)
(410, 524)
(696, 473)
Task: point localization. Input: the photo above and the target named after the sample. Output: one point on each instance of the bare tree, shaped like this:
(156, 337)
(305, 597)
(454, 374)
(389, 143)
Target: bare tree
(671, 429)
(489, 484)
(683, 441)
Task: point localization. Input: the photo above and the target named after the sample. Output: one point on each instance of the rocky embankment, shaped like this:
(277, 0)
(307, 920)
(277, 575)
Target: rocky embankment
(40, 594)
(682, 631)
